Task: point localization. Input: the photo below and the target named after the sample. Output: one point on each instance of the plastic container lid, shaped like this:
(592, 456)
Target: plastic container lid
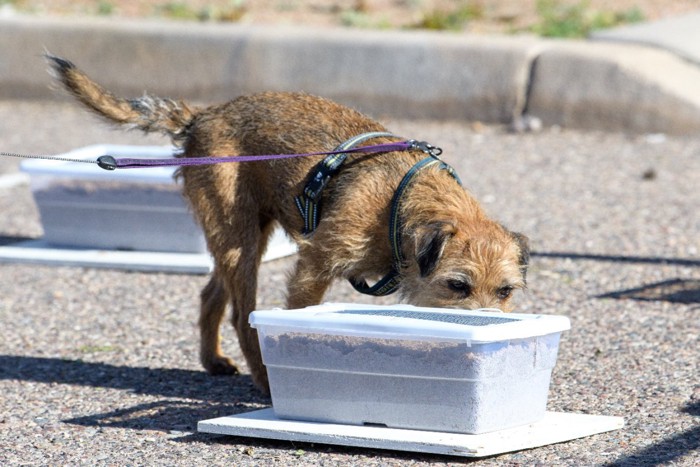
(410, 322)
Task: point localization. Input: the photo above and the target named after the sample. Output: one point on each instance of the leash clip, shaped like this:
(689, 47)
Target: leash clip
(426, 148)
(107, 162)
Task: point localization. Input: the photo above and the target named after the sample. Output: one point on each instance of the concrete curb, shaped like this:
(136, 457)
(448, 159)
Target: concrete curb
(615, 87)
(396, 74)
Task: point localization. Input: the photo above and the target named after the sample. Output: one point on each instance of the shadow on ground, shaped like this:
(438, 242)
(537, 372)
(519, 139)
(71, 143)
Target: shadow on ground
(667, 450)
(188, 396)
(177, 383)
(678, 290)
(685, 291)
(185, 398)
(618, 258)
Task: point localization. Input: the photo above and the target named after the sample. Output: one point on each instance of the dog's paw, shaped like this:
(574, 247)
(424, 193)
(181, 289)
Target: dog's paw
(261, 382)
(221, 366)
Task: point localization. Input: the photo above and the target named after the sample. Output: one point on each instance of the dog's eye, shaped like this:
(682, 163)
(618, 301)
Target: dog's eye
(461, 287)
(504, 292)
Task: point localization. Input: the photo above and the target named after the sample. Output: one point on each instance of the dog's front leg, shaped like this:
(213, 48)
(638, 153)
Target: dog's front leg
(307, 284)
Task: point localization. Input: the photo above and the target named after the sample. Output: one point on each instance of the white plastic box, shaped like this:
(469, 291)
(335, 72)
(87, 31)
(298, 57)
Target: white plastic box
(408, 367)
(82, 205)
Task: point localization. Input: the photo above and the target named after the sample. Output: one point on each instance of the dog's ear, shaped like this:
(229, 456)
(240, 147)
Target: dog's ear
(430, 243)
(524, 246)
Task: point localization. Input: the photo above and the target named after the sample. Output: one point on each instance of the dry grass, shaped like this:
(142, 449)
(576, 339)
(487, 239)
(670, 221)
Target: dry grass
(474, 16)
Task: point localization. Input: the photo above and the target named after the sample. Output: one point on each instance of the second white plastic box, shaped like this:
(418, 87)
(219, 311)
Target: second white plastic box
(82, 205)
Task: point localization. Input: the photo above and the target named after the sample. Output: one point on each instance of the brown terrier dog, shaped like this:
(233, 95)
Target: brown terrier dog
(449, 253)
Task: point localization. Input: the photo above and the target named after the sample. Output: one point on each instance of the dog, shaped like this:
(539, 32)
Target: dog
(450, 254)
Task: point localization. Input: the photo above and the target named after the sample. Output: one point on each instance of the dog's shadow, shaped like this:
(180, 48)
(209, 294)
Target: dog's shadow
(184, 396)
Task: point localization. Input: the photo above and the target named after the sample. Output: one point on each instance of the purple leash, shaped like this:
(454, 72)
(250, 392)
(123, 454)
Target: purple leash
(108, 162)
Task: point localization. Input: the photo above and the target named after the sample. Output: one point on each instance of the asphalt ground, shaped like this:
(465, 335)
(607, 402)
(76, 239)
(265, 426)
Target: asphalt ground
(100, 367)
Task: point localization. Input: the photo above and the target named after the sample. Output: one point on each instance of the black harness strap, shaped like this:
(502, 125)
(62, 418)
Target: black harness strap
(309, 201)
(390, 282)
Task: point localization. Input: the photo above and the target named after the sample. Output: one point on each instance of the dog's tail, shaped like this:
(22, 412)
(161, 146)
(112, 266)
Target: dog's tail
(148, 113)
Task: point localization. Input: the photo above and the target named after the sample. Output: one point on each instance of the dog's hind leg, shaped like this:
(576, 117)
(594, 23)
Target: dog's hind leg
(239, 266)
(244, 303)
(237, 236)
(215, 300)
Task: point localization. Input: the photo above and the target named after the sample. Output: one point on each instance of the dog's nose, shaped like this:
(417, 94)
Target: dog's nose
(486, 301)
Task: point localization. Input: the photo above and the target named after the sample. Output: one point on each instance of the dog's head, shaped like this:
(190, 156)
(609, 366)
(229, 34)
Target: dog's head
(456, 267)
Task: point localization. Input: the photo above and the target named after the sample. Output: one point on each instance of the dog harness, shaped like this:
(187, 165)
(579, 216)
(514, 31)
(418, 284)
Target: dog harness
(308, 204)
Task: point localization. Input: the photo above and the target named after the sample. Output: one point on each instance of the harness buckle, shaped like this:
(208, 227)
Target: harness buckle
(426, 147)
(317, 184)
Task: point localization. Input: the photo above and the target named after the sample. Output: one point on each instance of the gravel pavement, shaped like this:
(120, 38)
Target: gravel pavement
(100, 367)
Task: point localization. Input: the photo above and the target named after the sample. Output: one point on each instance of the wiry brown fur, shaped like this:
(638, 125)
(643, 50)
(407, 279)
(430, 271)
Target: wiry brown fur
(455, 255)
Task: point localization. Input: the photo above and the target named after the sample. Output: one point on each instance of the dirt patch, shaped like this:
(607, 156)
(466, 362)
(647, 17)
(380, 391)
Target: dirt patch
(479, 16)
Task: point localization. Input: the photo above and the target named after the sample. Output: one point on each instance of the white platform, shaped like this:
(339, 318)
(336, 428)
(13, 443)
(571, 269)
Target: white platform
(39, 252)
(556, 427)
